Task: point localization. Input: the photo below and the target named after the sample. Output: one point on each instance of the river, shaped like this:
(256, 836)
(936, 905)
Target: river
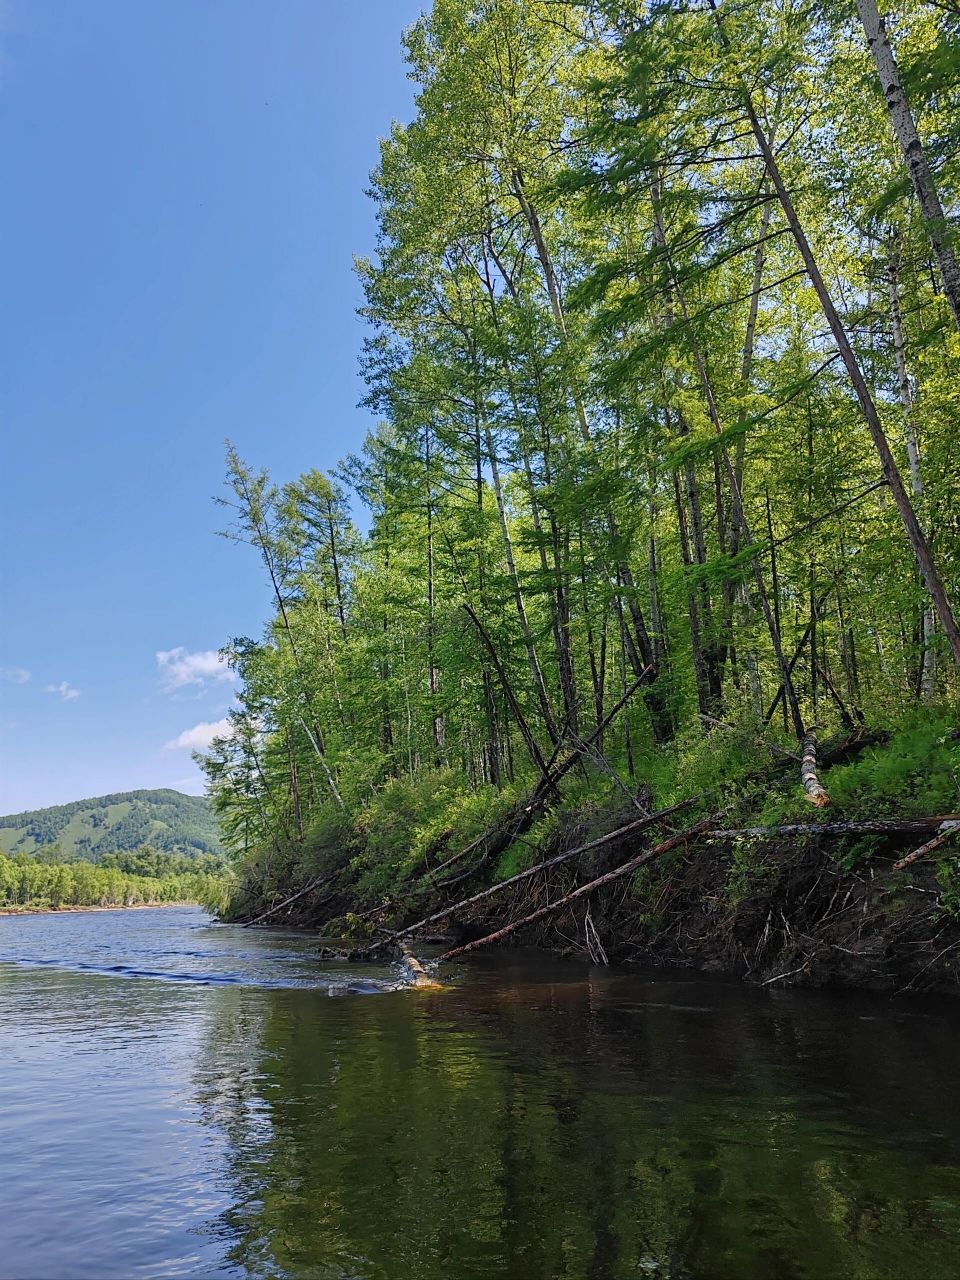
(180, 1098)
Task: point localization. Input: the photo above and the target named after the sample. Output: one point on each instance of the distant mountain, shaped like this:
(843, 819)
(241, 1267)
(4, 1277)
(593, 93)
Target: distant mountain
(87, 829)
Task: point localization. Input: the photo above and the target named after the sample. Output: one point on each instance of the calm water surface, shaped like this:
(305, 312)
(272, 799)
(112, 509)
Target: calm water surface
(179, 1098)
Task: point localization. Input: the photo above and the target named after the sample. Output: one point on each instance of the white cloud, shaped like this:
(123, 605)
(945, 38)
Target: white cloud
(16, 675)
(179, 668)
(201, 736)
(66, 691)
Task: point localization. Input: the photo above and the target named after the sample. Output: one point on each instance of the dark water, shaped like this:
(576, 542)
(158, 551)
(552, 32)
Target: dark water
(181, 1099)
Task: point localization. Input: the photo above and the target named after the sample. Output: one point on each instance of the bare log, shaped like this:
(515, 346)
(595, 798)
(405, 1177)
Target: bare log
(633, 864)
(949, 829)
(874, 826)
(414, 972)
(815, 791)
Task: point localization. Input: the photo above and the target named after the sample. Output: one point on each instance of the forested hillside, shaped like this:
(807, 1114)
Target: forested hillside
(664, 343)
(90, 829)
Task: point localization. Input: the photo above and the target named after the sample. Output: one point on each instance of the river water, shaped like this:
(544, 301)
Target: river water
(179, 1098)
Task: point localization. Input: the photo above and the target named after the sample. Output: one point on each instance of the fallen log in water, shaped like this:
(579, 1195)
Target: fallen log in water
(633, 864)
(414, 972)
(814, 789)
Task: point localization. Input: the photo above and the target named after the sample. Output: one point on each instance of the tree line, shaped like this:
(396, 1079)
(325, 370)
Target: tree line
(663, 343)
(138, 877)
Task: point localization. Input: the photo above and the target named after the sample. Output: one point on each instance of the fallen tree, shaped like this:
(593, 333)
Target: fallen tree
(294, 897)
(631, 828)
(633, 864)
(870, 826)
(813, 788)
(501, 834)
(949, 828)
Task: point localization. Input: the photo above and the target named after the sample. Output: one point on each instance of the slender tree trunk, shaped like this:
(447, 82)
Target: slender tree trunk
(533, 658)
(294, 785)
(915, 534)
(921, 175)
(696, 646)
(706, 386)
(642, 654)
(905, 391)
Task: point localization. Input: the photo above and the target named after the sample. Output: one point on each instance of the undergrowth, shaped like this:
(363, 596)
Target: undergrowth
(409, 826)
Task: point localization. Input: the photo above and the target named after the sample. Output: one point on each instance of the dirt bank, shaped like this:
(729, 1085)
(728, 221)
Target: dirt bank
(785, 912)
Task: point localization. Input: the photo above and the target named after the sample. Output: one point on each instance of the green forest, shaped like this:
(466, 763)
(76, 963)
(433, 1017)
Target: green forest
(167, 820)
(662, 510)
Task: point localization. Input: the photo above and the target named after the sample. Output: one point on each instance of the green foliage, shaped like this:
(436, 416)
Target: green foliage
(948, 878)
(613, 437)
(747, 872)
(412, 824)
(915, 773)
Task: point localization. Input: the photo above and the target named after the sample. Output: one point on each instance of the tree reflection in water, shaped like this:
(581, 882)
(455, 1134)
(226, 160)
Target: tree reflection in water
(530, 1123)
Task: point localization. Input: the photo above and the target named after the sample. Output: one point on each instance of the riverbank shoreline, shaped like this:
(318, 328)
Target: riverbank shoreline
(76, 910)
(771, 911)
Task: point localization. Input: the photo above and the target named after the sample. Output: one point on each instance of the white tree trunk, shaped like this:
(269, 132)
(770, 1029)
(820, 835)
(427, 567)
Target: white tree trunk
(905, 391)
(904, 126)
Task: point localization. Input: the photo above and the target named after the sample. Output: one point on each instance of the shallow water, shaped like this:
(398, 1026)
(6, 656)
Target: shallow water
(179, 1098)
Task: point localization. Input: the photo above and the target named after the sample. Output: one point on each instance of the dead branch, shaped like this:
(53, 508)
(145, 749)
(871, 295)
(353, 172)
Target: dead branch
(316, 884)
(949, 829)
(521, 819)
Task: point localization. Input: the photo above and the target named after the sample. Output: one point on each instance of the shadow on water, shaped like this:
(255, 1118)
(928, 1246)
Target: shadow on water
(535, 1120)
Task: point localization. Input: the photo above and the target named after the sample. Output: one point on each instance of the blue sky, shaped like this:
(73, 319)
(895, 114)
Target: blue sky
(183, 193)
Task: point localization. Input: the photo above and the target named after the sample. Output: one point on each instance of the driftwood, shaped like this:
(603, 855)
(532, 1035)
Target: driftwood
(815, 791)
(301, 893)
(633, 864)
(414, 972)
(630, 829)
(948, 829)
(874, 826)
(592, 937)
